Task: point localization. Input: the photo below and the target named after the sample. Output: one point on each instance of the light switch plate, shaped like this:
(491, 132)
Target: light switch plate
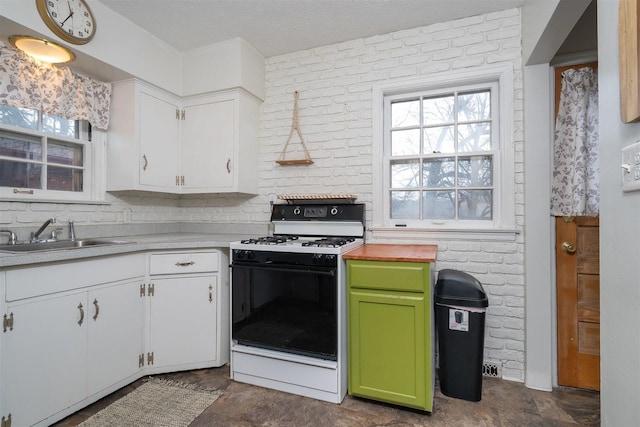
(631, 167)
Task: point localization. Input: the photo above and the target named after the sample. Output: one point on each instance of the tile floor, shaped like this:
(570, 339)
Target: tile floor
(504, 403)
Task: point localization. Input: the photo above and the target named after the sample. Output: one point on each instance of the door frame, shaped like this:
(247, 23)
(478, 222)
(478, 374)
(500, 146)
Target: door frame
(541, 363)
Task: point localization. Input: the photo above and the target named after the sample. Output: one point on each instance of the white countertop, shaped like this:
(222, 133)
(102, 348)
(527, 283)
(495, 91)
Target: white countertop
(146, 242)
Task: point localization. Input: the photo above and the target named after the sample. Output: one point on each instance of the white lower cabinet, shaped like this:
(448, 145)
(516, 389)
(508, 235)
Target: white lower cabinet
(115, 338)
(74, 332)
(187, 308)
(44, 360)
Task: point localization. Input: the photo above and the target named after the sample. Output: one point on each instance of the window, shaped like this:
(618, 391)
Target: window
(44, 157)
(445, 153)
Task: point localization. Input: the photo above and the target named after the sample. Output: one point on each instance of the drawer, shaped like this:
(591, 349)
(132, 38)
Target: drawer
(50, 278)
(183, 262)
(393, 276)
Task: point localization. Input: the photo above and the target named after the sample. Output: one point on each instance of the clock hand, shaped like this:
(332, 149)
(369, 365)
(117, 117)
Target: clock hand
(67, 18)
(70, 14)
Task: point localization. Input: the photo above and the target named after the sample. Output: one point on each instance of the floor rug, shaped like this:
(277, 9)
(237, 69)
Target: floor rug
(157, 403)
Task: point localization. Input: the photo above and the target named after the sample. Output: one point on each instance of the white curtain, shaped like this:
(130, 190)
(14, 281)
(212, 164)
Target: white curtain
(54, 90)
(575, 189)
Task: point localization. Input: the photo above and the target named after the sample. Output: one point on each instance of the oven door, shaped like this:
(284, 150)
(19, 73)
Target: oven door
(288, 308)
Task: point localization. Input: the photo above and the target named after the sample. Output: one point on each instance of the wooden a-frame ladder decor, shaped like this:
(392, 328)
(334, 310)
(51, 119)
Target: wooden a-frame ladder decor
(295, 126)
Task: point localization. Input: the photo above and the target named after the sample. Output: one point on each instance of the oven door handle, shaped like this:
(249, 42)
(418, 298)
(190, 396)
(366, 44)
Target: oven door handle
(292, 269)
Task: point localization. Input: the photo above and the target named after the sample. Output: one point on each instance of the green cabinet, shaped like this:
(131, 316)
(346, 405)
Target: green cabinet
(390, 332)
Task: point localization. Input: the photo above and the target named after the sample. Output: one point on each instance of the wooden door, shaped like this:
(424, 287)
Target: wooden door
(578, 290)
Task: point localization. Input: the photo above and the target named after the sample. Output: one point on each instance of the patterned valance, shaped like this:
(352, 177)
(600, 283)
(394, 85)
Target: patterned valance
(55, 90)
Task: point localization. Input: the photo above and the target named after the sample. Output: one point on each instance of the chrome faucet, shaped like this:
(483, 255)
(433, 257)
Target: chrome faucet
(72, 231)
(13, 239)
(35, 236)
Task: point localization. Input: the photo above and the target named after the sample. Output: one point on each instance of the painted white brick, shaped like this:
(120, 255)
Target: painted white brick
(452, 33)
(434, 47)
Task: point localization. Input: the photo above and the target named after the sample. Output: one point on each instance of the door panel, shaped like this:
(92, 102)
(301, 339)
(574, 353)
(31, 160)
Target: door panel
(578, 292)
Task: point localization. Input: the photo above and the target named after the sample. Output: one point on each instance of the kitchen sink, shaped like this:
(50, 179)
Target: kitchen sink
(59, 244)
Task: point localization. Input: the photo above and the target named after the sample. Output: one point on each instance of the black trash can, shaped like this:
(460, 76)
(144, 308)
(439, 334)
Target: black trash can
(460, 307)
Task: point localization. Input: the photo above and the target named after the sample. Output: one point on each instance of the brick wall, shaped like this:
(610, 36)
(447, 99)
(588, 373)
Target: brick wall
(335, 115)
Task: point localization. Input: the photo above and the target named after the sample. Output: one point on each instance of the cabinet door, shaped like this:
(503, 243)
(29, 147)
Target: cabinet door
(158, 133)
(114, 316)
(45, 357)
(182, 325)
(207, 145)
(388, 347)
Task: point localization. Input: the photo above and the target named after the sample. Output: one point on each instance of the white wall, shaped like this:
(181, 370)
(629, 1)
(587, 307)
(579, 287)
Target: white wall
(619, 237)
(335, 114)
(117, 42)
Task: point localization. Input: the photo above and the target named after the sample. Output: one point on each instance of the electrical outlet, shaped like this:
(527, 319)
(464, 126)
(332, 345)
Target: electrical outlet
(631, 167)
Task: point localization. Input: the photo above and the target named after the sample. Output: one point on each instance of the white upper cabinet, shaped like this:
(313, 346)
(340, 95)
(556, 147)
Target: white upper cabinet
(199, 144)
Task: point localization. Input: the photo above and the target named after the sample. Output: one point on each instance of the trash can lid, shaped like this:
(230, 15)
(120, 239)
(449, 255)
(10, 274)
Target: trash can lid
(459, 288)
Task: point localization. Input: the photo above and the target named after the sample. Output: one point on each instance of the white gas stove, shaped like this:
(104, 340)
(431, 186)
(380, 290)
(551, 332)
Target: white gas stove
(289, 301)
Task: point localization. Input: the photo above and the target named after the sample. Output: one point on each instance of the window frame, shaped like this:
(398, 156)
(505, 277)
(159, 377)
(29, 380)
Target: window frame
(502, 226)
(93, 155)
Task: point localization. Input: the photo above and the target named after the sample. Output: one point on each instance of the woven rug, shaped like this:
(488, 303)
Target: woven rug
(156, 403)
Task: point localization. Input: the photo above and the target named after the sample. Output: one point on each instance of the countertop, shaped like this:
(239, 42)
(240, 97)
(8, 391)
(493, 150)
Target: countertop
(382, 252)
(147, 242)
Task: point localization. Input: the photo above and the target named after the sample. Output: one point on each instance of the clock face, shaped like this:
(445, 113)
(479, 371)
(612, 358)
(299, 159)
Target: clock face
(71, 20)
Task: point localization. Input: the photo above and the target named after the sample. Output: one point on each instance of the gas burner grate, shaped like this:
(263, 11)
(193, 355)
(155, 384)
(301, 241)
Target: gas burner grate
(329, 242)
(269, 240)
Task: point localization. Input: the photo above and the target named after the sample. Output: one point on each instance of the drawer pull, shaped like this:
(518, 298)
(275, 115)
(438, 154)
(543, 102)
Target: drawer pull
(185, 264)
(210, 293)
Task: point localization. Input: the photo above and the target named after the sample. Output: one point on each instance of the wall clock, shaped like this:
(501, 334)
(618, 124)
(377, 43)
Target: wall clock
(71, 20)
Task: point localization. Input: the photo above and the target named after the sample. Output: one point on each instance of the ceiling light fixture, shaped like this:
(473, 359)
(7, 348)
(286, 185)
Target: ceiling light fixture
(42, 50)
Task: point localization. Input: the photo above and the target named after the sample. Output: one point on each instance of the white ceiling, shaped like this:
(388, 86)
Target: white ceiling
(276, 27)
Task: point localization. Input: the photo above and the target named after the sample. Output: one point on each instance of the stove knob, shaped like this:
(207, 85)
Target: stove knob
(334, 210)
(318, 259)
(251, 255)
(296, 211)
(238, 254)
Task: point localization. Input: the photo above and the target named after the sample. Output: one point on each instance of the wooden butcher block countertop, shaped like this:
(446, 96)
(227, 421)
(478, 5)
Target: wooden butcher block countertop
(382, 252)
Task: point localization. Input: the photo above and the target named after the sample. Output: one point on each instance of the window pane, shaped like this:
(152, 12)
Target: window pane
(475, 171)
(64, 179)
(475, 204)
(59, 126)
(474, 137)
(405, 142)
(438, 110)
(405, 174)
(405, 113)
(21, 117)
(20, 175)
(64, 153)
(474, 106)
(439, 173)
(20, 146)
(405, 205)
(438, 204)
(439, 140)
